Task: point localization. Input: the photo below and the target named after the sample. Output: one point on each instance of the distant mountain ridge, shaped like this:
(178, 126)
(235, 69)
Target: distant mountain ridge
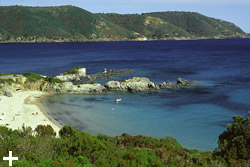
(73, 24)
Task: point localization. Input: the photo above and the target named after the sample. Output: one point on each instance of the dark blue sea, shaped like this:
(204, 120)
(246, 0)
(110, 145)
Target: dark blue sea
(195, 116)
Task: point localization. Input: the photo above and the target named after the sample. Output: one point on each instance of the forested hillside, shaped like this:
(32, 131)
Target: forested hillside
(69, 23)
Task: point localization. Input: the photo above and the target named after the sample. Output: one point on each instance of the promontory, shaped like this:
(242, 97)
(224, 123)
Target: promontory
(73, 24)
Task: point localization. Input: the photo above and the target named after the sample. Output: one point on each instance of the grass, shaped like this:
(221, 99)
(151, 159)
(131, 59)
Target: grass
(53, 80)
(32, 76)
(6, 81)
(5, 74)
(72, 71)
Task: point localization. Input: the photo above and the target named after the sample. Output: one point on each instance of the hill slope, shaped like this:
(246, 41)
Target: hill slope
(69, 23)
(165, 25)
(65, 23)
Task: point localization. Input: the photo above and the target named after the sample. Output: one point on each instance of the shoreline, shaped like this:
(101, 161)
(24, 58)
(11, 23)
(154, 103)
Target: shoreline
(127, 40)
(44, 110)
(25, 108)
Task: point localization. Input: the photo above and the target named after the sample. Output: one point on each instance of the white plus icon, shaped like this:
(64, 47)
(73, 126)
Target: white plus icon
(10, 158)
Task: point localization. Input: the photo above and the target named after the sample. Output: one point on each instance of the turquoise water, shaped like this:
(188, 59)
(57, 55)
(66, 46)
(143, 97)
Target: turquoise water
(155, 114)
(194, 116)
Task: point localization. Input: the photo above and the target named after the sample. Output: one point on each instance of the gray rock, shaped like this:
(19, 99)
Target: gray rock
(134, 84)
(7, 93)
(68, 87)
(137, 84)
(182, 81)
(73, 77)
(89, 88)
(113, 85)
(166, 85)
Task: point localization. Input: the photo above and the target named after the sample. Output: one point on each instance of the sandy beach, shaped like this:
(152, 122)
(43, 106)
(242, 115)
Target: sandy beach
(25, 108)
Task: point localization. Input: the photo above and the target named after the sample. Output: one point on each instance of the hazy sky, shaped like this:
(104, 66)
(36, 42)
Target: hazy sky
(236, 11)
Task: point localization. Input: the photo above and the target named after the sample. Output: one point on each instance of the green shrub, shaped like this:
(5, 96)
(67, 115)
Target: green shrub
(234, 143)
(5, 74)
(53, 80)
(43, 130)
(73, 71)
(32, 76)
(6, 80)
(75, 148)
(67, 131)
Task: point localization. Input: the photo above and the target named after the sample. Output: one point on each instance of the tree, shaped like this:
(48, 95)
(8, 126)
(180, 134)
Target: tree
(234, 143)
(43, 130)
(67, 131)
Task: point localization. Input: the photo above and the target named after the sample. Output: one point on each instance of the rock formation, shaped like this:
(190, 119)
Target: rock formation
(73, 75)
(12, 83)
(134, 84)
(68, 87)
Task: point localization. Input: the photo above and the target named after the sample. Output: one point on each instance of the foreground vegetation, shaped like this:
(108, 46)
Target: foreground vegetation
(69, 23)
(73, 148)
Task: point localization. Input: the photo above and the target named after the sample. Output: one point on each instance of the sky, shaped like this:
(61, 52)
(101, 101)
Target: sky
(236, 11)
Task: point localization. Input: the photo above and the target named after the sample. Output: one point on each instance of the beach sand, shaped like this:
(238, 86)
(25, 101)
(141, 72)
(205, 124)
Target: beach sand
(25, 108)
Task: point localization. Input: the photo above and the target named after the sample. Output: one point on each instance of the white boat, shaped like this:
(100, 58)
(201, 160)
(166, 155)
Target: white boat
(118, 100)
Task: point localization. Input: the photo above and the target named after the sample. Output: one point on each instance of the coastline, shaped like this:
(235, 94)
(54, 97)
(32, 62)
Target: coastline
(25, 108)
(44, 110)
(125, 40)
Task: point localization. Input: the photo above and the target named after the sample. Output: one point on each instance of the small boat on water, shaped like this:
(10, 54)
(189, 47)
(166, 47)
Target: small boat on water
(118, 100)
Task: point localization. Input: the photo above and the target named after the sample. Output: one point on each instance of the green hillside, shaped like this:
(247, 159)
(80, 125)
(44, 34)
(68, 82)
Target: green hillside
(165, 25)
(56, 24)
(69, 23)
(199, 25)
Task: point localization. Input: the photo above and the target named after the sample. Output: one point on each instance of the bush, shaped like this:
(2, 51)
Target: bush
(234, 143)
(53, 80)
(5, 74)
(6, 80)
(32, 76)
(43, 130)
(76, 148)
(67, 131)
(73, 71)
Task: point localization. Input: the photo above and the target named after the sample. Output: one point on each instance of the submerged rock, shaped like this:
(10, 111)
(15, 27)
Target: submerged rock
(180, 83)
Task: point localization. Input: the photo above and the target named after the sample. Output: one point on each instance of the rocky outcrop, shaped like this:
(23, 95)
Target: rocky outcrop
(180, 83)
(105, 74)
(12, 83)
(68, 87)
(75, 76)
(113, 85)
(7, 93)
(89, 88)
(33, 85)
(143, 84)
(134, 84)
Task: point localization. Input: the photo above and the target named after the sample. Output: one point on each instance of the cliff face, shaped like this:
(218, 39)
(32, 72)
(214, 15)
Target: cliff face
(71, 24)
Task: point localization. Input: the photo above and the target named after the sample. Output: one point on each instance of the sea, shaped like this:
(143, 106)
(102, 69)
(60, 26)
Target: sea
(194, 116)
